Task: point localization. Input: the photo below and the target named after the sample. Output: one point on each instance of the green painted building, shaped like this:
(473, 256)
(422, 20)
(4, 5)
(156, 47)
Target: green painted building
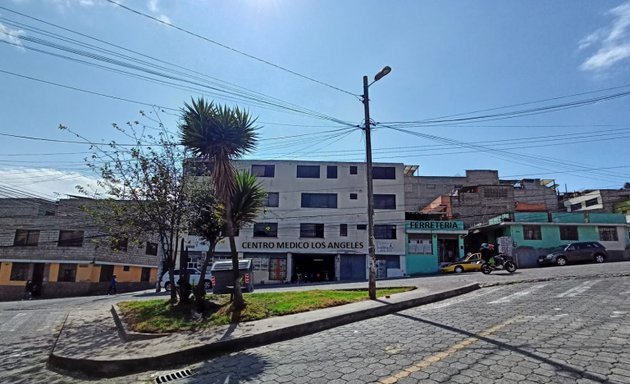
(430, 243)
(532, 234)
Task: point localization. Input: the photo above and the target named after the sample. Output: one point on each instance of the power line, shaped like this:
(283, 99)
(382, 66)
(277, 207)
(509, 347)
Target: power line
(228, 47)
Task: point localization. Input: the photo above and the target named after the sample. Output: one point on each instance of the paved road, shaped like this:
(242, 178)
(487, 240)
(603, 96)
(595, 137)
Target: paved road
(28, 330)
(569, 331)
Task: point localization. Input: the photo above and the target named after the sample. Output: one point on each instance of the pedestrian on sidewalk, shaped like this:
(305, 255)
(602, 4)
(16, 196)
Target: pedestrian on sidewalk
(112, 285)
(29, 289)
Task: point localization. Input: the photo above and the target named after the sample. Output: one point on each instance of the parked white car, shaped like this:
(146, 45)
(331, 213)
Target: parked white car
(194, 275)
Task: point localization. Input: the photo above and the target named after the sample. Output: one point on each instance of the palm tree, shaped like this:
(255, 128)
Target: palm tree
(247, 202)
(219, 134)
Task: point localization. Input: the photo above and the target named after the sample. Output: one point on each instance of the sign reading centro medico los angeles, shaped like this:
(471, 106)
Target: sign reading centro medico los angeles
(435, 225)
(302, 245)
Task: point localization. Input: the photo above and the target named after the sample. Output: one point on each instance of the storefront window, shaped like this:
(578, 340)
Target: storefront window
(277, 269)
(420, 245)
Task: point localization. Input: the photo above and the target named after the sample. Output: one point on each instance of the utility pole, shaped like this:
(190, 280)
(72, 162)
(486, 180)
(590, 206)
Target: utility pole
(370, 192)
(370, 186)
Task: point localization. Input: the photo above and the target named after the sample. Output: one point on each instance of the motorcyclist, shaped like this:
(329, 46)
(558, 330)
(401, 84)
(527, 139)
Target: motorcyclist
(487, 254)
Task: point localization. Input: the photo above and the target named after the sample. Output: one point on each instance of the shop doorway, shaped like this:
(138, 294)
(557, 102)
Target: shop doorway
(38, 277)
(314, 268)
(448, 249)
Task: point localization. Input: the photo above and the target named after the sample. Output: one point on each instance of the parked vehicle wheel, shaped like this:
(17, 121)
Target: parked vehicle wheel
(561, 261)
(486, 269)
(599, 258)
(167, 287)
(459, 269)
(509, 266)
(207, 284)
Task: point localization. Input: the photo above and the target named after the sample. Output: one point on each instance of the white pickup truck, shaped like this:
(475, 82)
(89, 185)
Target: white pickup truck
(194, 276)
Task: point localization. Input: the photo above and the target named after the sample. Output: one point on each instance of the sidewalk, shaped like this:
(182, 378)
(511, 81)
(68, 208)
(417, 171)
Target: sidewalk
(90, 342)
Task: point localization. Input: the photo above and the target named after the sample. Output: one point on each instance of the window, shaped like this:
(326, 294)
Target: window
(591, 202)
(151, 249)
(120, 244)
(576, 207)
(145, 275)
(493, 192)
(273, 199)
(353, 169)
(386, 173)
(353, 196)
(67, 272)
(343, 230)
(308, 171)
(70, 239)
(361, 227)
(331, 172)
(126, 268)
(319, 200)
(263, 170)
(26, 237)
(311, 230)
(568, 232)
(19, 271)
(608, 234)
(385, 231)
(430, 186)
(266, 230)
(277, 269)
(532, 232)
(384, 201)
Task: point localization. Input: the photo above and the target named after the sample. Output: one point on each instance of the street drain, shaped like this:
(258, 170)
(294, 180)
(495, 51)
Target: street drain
(173, 376)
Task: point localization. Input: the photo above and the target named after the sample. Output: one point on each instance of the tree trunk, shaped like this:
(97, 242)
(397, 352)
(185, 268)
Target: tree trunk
(238, 302)
(200, 289)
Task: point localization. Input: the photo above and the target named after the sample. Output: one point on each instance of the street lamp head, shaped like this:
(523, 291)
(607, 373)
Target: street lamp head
(383, 72)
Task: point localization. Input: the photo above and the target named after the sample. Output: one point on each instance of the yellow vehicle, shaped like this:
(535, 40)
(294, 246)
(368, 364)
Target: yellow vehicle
(472, 263)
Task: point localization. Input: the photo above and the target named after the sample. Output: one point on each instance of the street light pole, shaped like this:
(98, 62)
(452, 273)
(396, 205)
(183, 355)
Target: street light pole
(370, 186)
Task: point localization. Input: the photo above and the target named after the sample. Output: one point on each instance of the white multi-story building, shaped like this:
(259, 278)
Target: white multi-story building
(314, 225)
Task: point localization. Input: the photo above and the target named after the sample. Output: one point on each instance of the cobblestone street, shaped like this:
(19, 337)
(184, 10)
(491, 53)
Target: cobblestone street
(550, 332)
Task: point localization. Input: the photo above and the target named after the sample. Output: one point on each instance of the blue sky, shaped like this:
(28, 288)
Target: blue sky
(448, 58)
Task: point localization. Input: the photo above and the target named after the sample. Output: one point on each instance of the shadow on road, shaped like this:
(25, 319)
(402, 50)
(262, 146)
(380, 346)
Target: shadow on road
(572, 371)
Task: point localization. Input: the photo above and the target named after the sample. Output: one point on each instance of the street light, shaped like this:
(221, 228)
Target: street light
(370, 188)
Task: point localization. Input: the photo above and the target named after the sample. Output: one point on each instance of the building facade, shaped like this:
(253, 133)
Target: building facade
(532, 234)
(477, 197)
(599, 200)
(52, 244)
(431, 243)
(314, 225)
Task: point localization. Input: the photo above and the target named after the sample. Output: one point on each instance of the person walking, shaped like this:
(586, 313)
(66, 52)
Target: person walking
(112, 285)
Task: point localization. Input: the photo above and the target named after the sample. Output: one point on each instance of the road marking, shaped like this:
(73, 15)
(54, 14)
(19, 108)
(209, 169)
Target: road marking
(430, 360)
(516, 295)
(585, 286)
(619, 314)
(13, 324)
(462, 299)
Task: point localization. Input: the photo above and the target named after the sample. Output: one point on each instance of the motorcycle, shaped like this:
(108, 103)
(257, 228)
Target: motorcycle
(501, 262)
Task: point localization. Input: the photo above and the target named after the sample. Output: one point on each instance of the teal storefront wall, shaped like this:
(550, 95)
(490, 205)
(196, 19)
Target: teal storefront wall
(429, 263)
(425, 263)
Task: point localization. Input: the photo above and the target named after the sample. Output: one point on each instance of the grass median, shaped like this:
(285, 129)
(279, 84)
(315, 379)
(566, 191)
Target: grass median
(158, 316)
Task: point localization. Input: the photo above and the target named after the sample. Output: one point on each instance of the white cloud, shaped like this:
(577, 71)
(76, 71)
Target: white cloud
(45, 182)
(154, 7)
(10, 35)
(612, 43)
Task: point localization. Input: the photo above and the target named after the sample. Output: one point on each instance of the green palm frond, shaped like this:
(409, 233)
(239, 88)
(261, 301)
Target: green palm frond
(248, 199)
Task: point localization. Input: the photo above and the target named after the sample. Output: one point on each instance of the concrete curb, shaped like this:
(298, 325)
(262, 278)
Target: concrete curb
(112, 368)
(127, 335)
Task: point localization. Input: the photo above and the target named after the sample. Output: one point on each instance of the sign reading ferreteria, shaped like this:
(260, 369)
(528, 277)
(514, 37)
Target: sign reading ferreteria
(302, 245)
(435, 225)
